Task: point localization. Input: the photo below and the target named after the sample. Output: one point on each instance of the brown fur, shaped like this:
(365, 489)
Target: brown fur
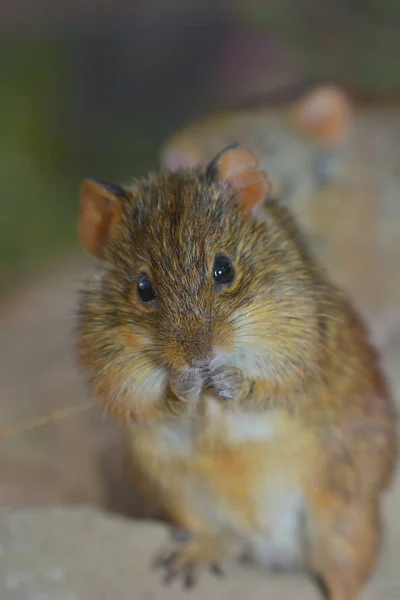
(319, 383)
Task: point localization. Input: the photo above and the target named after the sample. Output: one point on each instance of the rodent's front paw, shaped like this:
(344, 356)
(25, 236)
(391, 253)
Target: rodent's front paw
(227, 382)
(187, 384)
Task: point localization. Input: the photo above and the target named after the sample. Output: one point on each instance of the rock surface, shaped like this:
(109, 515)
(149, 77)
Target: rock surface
(85, 554)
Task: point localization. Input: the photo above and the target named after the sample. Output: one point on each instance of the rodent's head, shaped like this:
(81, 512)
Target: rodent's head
(194, 276)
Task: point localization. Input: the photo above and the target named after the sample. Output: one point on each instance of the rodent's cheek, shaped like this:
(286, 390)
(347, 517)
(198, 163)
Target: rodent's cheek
(134, 390)
(131, 380)
(131, 339)
(245, 346)
(223, 339)
(140, 343)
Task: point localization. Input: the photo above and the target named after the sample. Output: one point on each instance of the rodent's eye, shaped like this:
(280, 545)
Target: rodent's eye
(145, 289)
(223, 270)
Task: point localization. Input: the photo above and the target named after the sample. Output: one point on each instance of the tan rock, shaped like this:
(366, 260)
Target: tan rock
(85, 554)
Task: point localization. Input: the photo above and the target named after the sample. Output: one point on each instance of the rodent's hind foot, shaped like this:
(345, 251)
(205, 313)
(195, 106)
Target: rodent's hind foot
(185, 555)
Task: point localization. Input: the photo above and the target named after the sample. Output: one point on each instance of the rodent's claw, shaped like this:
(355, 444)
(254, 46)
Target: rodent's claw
(164, 560)
(227, 382)
(184, 559)
(188, 573)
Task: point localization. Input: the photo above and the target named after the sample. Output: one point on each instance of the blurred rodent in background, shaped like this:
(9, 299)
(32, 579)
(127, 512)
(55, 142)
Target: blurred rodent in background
(254, 405)
(338, 170)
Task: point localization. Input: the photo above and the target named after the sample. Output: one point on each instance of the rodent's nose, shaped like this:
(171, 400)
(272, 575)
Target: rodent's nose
(191, 347)
(200, 363)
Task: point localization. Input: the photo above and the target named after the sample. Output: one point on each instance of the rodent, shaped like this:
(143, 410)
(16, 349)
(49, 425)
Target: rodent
(255, 406)
(335, 164)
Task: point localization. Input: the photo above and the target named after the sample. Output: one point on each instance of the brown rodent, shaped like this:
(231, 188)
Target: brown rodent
(256, 408)
(336, 167)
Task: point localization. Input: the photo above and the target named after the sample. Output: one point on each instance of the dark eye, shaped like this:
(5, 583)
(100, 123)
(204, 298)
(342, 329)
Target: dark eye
(145, 289)
(223, 270)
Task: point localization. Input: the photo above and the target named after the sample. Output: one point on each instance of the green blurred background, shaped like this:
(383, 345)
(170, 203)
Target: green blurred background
(93, 88)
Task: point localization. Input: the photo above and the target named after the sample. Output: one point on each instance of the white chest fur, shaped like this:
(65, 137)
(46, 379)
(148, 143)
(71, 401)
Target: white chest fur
(247, 427)
(236, 428)
(280, 509)
(276, 498)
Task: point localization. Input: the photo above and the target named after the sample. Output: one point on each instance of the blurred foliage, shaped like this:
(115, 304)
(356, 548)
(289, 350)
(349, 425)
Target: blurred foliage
(41, 163)
(97, 101)
(35, 211)
(354, 42)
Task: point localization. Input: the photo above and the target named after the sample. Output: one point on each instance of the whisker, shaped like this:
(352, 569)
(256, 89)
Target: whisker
(68, 319)
(58, 415)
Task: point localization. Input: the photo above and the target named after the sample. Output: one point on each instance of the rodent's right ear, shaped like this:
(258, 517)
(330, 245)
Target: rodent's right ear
(238, 168)
(99, 210)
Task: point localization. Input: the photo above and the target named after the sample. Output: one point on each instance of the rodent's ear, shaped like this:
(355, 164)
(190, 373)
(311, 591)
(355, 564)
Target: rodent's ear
(99, 209)
(237, 168)
(323, 114)
(180, 153)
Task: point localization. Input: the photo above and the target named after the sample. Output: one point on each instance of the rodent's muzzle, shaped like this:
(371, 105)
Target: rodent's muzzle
(190, 349)
(189, 357)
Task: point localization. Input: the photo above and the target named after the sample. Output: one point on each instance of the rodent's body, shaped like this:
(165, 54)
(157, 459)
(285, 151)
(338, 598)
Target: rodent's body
(343, 187)
(255, 405)
(238, 476)
(257, 476)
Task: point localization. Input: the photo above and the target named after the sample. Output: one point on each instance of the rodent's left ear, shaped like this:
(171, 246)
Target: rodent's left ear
(99, 209)
(238, 168)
